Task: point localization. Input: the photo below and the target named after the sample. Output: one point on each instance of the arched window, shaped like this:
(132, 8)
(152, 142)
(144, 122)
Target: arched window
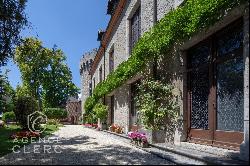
(87, 65)
(84, 66)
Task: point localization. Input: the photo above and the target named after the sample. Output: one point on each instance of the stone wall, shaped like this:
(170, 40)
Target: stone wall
(85, 65)
(120, 43)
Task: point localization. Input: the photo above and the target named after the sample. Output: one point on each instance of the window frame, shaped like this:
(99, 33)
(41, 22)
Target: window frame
(133, 41)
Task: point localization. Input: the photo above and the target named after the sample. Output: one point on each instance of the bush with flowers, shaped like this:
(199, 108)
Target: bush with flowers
(138, 138)
(24, 134)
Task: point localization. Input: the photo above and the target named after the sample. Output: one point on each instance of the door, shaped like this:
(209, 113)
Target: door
(72, 120)
(215, 86)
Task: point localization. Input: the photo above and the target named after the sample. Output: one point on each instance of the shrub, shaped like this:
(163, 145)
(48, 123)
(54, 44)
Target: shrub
(24, 107)
(53, 122)
(101, 111)
(91, 118)
(9, 116)
(56, 113)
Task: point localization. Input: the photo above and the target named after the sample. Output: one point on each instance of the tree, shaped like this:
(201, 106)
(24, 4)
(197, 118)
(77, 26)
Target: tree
(58, 85)
(12, 20)
(25, 106)
(44, 73)
(32, 59)
(7, 94)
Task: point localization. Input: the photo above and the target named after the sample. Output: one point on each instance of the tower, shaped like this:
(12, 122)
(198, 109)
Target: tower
(85, 66)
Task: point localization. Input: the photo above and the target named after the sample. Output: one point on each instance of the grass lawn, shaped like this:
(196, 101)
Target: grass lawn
(6, 143)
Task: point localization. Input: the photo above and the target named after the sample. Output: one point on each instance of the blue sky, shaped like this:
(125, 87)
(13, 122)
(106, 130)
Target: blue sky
(70, 24)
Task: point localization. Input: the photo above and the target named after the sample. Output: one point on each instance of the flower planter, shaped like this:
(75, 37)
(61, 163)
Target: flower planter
(144, 144)
(155, 136)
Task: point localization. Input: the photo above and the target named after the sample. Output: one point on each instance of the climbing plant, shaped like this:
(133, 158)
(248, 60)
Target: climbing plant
(177, 25)
(157, 105)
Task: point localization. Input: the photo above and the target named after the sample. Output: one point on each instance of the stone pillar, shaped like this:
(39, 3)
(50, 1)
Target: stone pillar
(244, 148)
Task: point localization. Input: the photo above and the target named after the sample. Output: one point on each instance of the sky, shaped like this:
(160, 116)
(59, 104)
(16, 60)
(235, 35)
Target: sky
(70, 24)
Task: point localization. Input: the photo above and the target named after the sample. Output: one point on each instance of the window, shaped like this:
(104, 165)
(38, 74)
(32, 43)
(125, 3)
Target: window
(135, 27)
(91, 63)
(111, 61)
(90, 89)
(100, 74)
(87, 65)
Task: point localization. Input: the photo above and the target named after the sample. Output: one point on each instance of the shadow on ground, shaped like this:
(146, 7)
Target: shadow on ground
(82, 150)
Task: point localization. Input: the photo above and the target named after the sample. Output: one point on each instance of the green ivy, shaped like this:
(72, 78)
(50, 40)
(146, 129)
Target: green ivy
(157, 105)
(178, 25)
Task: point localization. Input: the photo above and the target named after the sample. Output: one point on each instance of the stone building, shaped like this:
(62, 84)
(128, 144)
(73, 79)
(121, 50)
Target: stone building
(74, 110)
(85, 66)
(213, 87)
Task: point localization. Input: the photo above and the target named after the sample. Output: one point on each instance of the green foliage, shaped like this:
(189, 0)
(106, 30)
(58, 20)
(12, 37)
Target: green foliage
(57, 83)
(44, 73)
(101, 111)
(177, 25)
(7, 94)
(9, 116)
(158, 109)
(55, 113)
(91, 118)
(23, 90)
(12, 21)
(53, 122)
(32, 59)
(25, 105)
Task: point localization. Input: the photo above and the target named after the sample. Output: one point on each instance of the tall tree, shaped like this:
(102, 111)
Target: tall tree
(12, 20)
(58, 85)
(44, 72)
(32, 59)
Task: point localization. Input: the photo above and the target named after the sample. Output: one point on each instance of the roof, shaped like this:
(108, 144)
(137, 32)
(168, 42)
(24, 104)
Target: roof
(115, 17)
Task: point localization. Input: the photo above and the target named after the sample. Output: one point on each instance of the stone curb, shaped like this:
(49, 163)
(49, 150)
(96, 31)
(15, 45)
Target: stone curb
(189, 155)
(144, 149)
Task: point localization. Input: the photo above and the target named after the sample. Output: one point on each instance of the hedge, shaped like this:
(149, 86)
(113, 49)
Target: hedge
(9, 116)
(55, 113)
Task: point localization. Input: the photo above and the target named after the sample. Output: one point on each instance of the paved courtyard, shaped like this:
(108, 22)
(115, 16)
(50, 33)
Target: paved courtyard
(79, 145)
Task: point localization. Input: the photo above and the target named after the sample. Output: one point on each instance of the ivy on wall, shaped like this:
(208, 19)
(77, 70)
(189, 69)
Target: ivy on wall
(178, 25)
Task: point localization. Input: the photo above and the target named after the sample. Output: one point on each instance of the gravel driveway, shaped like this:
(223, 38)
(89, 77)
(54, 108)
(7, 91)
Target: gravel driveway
(79, 145)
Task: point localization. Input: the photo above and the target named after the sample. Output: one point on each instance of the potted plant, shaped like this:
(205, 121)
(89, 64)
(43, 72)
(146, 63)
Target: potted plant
(118, 129)
(101, 112)
(158, 109)
(138, 138)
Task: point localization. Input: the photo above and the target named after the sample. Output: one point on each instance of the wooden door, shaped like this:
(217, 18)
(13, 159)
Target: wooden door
(215, 86)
